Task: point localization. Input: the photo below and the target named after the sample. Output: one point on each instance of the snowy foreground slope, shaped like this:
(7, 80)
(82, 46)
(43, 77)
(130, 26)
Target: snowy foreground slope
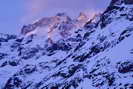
(97, 55)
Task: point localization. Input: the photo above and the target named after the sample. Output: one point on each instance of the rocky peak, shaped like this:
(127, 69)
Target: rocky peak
(63, 17)
(60, 24)
(46, 22)
(116, 10)
(82, 17)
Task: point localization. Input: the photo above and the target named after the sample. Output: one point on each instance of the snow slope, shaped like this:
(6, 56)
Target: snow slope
(98, 55)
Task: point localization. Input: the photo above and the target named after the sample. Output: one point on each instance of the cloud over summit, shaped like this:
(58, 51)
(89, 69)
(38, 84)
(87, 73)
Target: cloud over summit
(37, 8)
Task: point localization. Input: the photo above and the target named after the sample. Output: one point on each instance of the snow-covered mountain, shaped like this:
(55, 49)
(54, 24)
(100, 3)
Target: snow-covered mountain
(55, 28)
(63, 53)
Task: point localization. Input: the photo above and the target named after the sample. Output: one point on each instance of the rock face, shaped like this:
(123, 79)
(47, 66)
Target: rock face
(128, 1)
(98, 55)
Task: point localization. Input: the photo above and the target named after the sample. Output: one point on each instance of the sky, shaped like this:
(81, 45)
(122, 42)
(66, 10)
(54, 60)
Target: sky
(16, 13)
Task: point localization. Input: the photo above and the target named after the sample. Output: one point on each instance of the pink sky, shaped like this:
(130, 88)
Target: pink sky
(34, 9)
(16, 13)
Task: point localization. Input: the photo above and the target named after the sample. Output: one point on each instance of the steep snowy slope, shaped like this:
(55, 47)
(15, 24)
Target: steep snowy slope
(98, 55)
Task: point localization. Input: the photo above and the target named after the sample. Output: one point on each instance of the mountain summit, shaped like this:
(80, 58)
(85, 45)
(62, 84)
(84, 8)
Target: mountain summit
(57, 27)
(56, 53)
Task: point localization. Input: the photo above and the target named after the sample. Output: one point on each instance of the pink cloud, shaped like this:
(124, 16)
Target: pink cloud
(32, 9)
(38, 8)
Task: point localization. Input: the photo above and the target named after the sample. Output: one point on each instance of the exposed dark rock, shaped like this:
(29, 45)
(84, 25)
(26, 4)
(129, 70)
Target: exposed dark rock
(130, 15)
(13, 63)
(3, 40)
(29, 53)
(54, 87)
(28, 69)
(79, 46)
(13, 83)
(105, 20)
(19, 39)
(4, 64)
(71, 70)
(3, 55)
(125, 33)
(128, 1)
(110, 79)
(6, 37)
(125, 67)
(87, 34)
(59, 46)
(82, 57)
(28, 28)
